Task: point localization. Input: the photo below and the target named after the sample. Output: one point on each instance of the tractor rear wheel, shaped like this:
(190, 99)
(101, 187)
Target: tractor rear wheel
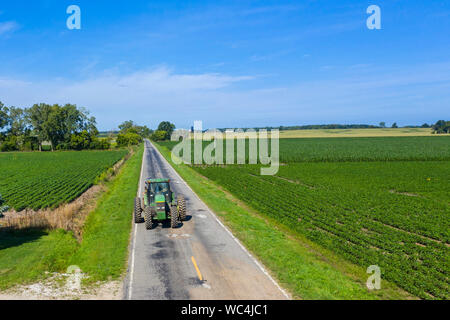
(181, 204)
(148, 218)
(137, 210)
(173, 217)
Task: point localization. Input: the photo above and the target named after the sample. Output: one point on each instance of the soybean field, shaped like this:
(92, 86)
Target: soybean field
(354, 149)
(374, 201)
(38, 180)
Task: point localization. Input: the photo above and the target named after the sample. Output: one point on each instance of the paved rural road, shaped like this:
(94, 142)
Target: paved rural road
(162, 260)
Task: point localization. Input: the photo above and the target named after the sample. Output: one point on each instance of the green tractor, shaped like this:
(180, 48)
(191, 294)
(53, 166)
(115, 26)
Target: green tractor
(159, 204)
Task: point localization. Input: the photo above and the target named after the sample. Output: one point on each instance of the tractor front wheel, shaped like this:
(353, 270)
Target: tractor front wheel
(148, 218)
(181, 204)
(173, 217)
(137, 210)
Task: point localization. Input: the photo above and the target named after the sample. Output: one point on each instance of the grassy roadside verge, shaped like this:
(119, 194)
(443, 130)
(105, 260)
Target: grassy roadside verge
(104, 248)
(26, 256)
(29, 256)
(306, 270)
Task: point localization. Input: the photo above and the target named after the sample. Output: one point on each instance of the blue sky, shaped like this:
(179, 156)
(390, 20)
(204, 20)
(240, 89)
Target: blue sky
(230, 63)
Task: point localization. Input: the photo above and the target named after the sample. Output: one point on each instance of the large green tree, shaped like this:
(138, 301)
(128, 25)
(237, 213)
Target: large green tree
(18, 121)
(441, 126)
(168, 127)
(131, 127)
(58, 124)
(38, 115)
(18, 136)
(74, 120)
(55, 127)
(126, 125)
(4, 116)
(144, 131)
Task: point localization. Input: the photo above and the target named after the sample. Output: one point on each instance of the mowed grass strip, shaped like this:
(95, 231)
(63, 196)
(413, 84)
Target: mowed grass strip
(306, 270)
(26, 256)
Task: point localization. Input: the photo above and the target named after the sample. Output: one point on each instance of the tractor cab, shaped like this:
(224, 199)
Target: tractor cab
(156, 189)
(159, 196)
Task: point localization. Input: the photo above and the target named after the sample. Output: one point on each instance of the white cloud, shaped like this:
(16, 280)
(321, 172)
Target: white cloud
(270, 9)
(414, 95)
(270, 56)
(8, 26)
(124, 96)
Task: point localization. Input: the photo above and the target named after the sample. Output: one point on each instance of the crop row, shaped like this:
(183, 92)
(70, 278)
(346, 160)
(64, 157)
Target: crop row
(354, 149)
(395, 215)
(41, 180)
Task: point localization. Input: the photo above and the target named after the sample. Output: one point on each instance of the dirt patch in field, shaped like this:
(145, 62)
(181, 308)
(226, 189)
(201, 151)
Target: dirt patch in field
(296, 182)
(404, 193)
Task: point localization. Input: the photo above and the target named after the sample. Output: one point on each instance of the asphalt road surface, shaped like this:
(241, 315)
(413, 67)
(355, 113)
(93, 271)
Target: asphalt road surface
(199, 260)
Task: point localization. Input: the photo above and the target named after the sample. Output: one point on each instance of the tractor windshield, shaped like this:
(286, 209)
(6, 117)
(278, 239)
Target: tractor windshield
(159, 187)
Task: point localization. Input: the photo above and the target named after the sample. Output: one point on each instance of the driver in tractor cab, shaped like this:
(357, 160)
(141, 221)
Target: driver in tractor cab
(159, 187)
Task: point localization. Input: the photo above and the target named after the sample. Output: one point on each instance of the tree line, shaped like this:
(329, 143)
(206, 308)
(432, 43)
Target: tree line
(64, 127)
(441, 126)
(130, 133)
(163, 132)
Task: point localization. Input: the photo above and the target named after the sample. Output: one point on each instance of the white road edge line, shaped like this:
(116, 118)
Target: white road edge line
(227, 230)
(133, 249)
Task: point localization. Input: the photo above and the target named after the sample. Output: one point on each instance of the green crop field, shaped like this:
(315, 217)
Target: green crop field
(47, 179)
(372, 132)
(357, 149)
(374, 201)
